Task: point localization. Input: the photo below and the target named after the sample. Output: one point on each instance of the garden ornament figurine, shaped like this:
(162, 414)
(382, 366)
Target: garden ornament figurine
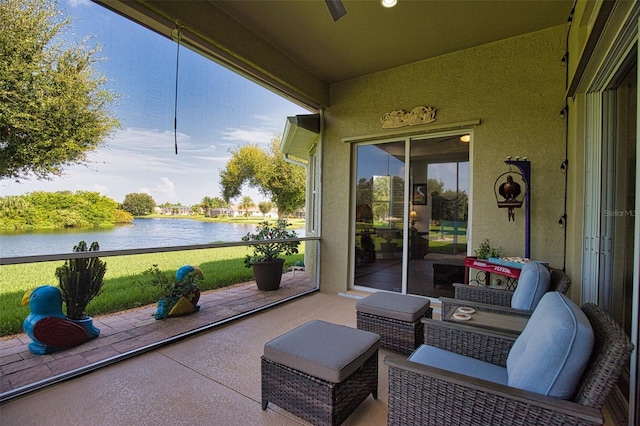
(47, 326)
(185, 294)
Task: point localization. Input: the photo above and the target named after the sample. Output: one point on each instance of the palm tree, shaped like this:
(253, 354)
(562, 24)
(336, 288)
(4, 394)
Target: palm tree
(246, 204)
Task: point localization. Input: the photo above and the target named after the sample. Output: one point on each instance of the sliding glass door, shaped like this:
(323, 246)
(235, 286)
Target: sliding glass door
(610, 211)
(379, 220)
(411, 216)
(438, 222)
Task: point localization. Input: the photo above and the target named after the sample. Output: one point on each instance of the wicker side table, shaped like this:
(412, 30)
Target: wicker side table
(396, 318)
(321, 372)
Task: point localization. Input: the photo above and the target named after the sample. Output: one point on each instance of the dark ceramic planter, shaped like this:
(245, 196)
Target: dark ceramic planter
(268, 274)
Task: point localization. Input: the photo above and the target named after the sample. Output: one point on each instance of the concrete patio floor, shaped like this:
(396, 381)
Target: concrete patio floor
(211, 378)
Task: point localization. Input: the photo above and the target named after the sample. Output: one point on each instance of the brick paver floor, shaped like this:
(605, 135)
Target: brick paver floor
(134, 331)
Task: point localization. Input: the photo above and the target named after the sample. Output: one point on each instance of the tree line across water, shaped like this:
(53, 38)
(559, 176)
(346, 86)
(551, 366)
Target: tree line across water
(62, 209)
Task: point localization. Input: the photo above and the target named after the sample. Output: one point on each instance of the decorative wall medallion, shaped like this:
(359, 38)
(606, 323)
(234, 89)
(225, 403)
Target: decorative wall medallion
(401, 118)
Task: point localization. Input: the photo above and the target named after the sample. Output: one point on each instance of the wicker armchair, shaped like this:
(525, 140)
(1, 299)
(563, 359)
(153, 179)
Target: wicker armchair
(497, 300)
(423, 395)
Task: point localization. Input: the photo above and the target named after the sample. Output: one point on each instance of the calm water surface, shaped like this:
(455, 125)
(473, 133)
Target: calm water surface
(142, 233)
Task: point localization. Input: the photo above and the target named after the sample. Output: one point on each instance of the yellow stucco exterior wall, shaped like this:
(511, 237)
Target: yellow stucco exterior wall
(515, 87)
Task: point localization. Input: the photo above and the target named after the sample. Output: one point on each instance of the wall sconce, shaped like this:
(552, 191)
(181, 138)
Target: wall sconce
(389, 3)
(563, 112)
(562, 221)
(510, 191)
(564, 166)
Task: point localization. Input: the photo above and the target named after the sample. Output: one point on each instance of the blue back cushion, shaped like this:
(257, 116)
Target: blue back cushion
(534, 282)
(553, 350)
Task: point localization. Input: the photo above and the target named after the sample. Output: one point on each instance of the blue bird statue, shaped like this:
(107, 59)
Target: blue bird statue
(46, 325)
(185, 295)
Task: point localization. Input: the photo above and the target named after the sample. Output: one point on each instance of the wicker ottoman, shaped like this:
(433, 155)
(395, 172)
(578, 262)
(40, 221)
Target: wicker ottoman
(320, 371)
(396, 318)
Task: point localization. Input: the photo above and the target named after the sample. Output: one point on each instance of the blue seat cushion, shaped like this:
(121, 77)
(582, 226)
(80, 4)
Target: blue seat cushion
(553, 350)
(451, 361)
(533, 283)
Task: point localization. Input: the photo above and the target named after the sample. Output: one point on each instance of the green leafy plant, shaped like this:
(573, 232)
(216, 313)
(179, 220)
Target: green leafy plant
(170, 287)
(81, 280)
(269, 251)
(485, 251)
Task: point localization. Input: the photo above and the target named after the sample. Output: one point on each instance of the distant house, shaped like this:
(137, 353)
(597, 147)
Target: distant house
(253, 212)
(236, 211)
(218, 212)
(175, 210)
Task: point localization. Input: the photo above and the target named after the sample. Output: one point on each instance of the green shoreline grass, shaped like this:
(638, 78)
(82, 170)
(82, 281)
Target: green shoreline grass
(125, 286)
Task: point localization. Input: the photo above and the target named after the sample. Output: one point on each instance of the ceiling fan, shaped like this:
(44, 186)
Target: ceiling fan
(336, 9)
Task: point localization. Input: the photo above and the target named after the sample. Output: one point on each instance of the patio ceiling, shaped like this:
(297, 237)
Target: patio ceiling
(296, 47)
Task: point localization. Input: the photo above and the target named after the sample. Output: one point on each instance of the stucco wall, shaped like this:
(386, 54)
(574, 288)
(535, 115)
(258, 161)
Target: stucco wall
(515, 87)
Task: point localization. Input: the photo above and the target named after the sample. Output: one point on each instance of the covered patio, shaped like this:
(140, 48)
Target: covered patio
(539, 80)
(211, 378)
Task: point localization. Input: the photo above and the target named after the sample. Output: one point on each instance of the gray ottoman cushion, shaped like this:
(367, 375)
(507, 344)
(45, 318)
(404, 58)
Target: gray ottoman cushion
(321, 349)
(392, 305)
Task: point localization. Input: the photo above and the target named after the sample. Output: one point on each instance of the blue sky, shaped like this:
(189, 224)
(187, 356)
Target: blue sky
(217, 111)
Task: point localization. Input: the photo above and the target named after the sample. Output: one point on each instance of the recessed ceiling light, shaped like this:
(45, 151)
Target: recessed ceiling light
(389, 3)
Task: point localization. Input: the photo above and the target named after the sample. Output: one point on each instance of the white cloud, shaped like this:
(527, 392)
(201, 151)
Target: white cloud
(96, 187)
(165, 189)
(136, 139)
(250, 135)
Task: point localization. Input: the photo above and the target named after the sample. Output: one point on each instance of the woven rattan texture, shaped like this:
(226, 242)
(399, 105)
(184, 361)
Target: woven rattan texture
(611, 351)
(469, 341)
(422, 395)
(395, 335)
(481, 294)
(433, 401)
(315, 400)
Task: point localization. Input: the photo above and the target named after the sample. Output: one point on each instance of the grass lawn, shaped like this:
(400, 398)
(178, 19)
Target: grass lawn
(125, 286)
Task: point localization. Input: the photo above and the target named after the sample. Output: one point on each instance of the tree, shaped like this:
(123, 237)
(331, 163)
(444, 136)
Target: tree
(282, 182)
(206, 203)
(246, 204)
(61, 209)
(265, 207)
(212, 203)
(54, 108)
(138, 204)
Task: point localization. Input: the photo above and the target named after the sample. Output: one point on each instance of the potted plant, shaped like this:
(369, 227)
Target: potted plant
(388, 248)
(180, 296)
(265, 261)
(485, 251)
(80, 281)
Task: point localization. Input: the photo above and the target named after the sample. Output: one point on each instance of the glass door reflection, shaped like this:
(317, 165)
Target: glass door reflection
(380, 195)
(411, 222)
(438, 215)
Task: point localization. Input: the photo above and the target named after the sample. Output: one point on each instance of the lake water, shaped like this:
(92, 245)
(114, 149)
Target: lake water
(142, 233)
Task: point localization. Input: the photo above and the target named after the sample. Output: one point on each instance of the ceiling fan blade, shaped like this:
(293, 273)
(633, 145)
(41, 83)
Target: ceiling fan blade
(336, 8)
